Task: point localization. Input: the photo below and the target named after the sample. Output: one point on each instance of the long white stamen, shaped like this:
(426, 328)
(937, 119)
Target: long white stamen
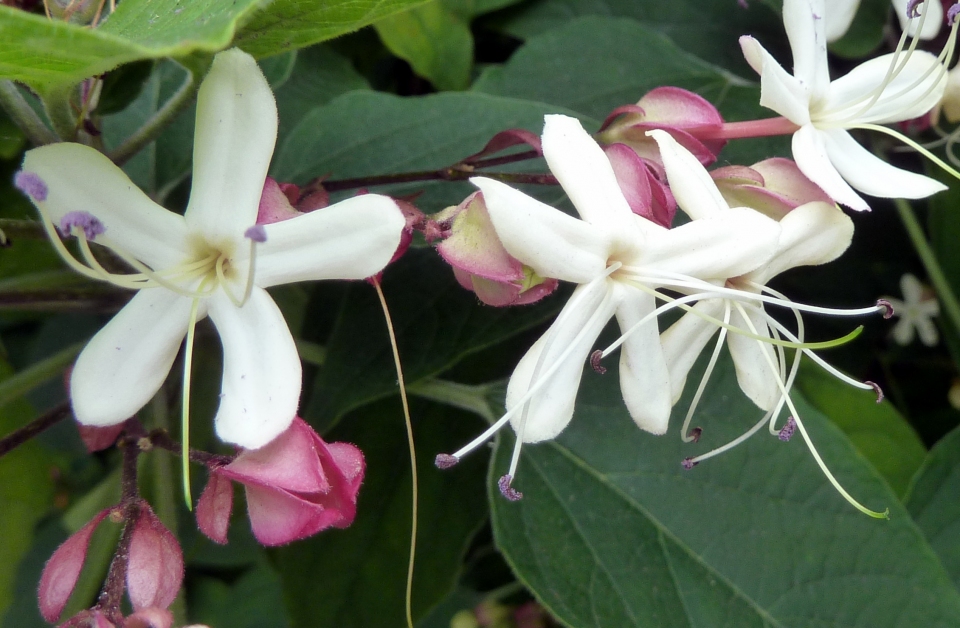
(185, 409)
(810, 445)
(685, 430)
(727, 447)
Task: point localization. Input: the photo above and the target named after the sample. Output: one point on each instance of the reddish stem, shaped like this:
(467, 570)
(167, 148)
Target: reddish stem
(750, 128)
(41, 423)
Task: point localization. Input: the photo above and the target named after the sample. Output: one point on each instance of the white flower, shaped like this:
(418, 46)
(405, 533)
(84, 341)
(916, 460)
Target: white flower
(916, 312)
(875, 92)
(619, 260)
(207, 262)
(840, 13)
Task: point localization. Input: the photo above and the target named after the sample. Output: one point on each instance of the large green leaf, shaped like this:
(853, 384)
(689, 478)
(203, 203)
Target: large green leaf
(877, 430)
(45, 53)
(288, 24)
(361, 134)
(563, 67)
(935, 504)
(356, 577)
(707, 28)
(612, 531)
(866, 31)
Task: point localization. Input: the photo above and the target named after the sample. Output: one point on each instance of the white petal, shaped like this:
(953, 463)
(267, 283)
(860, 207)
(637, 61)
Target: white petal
(757, 380)
(236, 132)
(126, 362)
(911, 288)
(931, 23)
(903, 331)
(804, 23)
(576, 328)
(927, 331)
(79, 178)
(585, 174)
(261, 370)
(811, 234)
(549, 241)
(684, 341)
(779, 90)
(727, 244)
(869, 174)
(810, 153)
(838, 17)
(912, 92)
(695, 192)
(352, 239)
(644, 378)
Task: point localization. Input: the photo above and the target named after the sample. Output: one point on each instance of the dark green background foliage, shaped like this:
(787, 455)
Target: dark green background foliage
(612, 531)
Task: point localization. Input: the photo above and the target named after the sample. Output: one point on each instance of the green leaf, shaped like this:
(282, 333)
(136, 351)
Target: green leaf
(437, 323)
(45, 53)
(877, 430)
(254, 600)
(561, 66)
(361, 134)
(435, 40)
(288, 24)
(707, 28)
(612, 531)
(357, 576)
(932, 500)
(943, 229)
(26, 492)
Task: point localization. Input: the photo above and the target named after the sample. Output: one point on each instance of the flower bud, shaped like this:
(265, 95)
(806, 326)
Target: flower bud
(296, 486)
(214, 508)
(772, 187)
(479, 261)
(61, 572)
(155, 568)
(674, 110)
(644, 191)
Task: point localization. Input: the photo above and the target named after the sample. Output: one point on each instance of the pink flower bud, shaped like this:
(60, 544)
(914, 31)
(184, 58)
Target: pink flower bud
(275, 204)
(150, 618)
(214, 508)
(772, 187)
(155, 568)
(679, 112)
(481, 264)
(62, 570)
(297, 485)
(504, 140)
(645, 193)
(99, 438)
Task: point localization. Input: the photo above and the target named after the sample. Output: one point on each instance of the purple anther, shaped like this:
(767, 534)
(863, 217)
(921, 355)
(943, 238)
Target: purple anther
(508, 491)
(256, 233)
(595, 358)
(876, 389)
(886, 306)
(689, 463)
(445, 461)
(952, 14)
(86, 221)
(695, 433)
(786, 432)
(31, 185)
(913, 8)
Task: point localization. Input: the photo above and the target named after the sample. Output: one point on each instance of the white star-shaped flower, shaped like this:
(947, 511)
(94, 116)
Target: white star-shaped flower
(207, 262)
(889, 88)
(916, 312)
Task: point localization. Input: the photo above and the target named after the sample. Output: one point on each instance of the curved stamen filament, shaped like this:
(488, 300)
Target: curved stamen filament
(185, 409)
(728, 446)
(912, 144)
(685, 430)
(810, 445)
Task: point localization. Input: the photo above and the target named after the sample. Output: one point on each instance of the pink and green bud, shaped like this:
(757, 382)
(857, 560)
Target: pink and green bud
(479, 261)
(772, 187)
(296, 486)
(61, 572)
(680, 113)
